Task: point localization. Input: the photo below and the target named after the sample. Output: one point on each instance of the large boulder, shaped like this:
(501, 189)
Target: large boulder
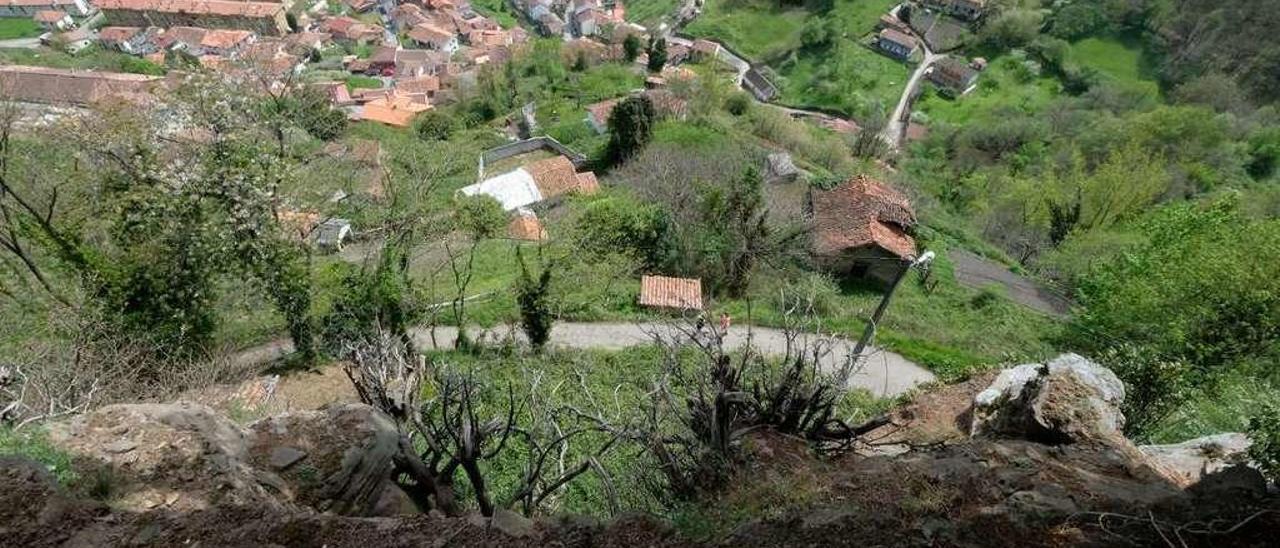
(1064, 400)
(336, 459)
(180, 456)
(185, 456)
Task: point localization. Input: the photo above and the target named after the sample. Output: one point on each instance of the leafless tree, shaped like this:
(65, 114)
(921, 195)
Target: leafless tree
(456, 430)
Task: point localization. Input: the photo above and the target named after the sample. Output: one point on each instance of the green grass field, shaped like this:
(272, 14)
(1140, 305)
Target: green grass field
(356, 82)
(498, 10)
(651, 12)
(15, 27)
(845, 76)
(758, 29)
(1117, 60)
(90, 58)
(1006, 86)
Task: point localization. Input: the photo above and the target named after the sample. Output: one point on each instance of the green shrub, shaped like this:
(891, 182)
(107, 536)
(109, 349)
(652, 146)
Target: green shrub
(33, 444)
(435, 126)
(1264, 432)
(738, 103)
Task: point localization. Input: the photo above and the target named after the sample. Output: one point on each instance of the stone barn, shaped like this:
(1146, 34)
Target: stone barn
(860, 229)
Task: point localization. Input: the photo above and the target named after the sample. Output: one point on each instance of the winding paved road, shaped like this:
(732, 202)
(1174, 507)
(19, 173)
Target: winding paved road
(893, 130)
(883, 373)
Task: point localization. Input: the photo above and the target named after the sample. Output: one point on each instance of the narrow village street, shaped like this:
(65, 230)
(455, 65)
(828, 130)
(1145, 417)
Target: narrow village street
(894, 127)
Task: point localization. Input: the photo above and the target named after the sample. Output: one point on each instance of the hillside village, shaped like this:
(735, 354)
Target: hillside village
(918, 272)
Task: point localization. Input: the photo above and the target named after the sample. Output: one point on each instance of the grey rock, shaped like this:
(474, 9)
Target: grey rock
(121, 446)
(284, 457)
(512, 524)
(1187, 462)
(1066, 399)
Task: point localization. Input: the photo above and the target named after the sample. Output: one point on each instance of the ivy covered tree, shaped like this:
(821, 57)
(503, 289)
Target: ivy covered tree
(631, 47)
(657, 54)
(630, 127)
(168, 221)
(533, 294)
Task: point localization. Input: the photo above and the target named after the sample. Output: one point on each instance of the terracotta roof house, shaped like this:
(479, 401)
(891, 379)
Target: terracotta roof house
(953, 77)
(426, 85)
(225, 42)
(588, 183)
(412, 63)
(526, 226)
(405, 16)
(554, 176)
(28, 8)
(671, 293)
(346, 29)
(74, 40)
(703, 50)
(265, 18)
(52, 20)
(897, 44)
(598, 114)
(860, 229)
(131, 40)
(480, 38)
(433, 37)
(395, 108)
(309, 40)
(890, 22)
(339, 95)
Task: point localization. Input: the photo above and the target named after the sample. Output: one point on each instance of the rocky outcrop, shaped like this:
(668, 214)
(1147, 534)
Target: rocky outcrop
(1067, 399)
(1188, 462)
(184, 456)
(178, 456)
(336, 459)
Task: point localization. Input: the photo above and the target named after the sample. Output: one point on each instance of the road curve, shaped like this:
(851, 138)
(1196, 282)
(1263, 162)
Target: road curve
(883, 373)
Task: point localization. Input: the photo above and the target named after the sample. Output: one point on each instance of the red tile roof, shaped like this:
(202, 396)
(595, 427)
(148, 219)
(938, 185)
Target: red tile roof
(427, 33)
(49, 16)
(665, 292)
(526, 226)
(554, 176)
(862, 212)
(587, 182)
(898, 37)
(223, 39)
(601, 111)
(421, 84)
(63, 86)
(117, 34)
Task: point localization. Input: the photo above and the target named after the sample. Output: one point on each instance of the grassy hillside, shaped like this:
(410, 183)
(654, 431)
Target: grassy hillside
(1119, 61)
(842, 75)
(756, 28)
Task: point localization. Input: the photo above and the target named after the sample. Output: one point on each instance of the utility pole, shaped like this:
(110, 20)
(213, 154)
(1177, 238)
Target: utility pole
(870, 331)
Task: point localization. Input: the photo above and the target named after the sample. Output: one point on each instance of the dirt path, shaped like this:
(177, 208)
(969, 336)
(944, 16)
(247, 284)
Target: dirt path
(884, 373)
(976, 272)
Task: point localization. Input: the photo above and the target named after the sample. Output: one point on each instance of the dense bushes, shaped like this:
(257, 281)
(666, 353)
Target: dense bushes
(1196, 300)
